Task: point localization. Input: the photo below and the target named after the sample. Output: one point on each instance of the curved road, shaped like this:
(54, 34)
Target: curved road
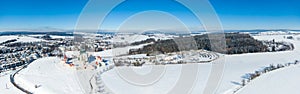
(12, 80)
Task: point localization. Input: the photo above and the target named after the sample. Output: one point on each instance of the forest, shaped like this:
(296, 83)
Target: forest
(236, 43)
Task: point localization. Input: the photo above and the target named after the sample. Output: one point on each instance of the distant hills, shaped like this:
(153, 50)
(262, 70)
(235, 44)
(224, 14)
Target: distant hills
(71, 32)
(35, 33)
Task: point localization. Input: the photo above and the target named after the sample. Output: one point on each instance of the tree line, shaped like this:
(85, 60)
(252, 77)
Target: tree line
(236, 43)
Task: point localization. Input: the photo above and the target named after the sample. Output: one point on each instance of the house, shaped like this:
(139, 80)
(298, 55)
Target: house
(69, 61)
(289, 37)
(91, 58)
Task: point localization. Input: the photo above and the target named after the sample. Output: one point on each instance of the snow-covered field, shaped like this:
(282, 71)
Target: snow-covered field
(282, 81)
(117, 51)
(171, 74)
(235, 67)
(52, 36)
(19, 39)
(53, 77)
(130, 38)
(6, 87)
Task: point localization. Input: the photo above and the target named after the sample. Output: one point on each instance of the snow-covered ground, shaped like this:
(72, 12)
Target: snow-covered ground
(52, 36)
(235, 67)
(117, 51)
(238, 65)
(63, 37)
(19, 39)
(130, 38)
(117, 85)
(273, 33)
(5, 86)
(53, 77)
(282, 81)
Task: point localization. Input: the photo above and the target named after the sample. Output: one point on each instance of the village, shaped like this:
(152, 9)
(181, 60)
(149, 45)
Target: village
(15, 54)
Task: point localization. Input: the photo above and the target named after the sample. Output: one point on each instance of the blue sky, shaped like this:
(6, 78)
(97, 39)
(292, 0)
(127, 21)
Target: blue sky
(233, 14)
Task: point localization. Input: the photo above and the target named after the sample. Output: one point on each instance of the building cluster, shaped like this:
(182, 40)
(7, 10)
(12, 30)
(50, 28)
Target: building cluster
(198, 56)
(94, 45)
(133, 61)
(193, 56)
(14, 54)
(100, 45)
(85, 61)
(18, 54)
